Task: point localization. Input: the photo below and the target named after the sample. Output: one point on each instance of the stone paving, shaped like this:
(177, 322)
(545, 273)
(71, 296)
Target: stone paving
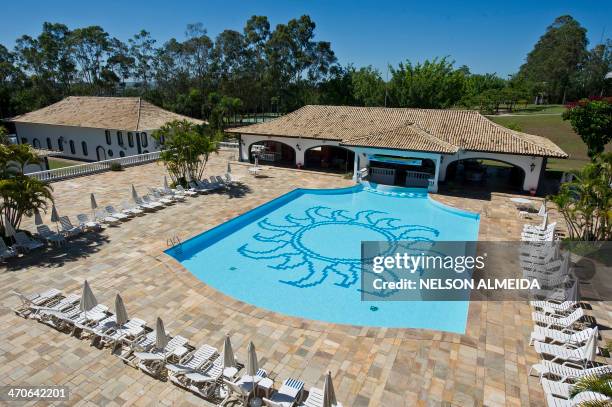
(370, 366)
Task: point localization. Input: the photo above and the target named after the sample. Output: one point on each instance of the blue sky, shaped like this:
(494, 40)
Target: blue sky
(487, 36)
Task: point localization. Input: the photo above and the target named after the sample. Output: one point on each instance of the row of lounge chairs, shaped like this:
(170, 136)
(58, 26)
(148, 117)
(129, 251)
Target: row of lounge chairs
(204, 371)
(563, 338)
(157, 198)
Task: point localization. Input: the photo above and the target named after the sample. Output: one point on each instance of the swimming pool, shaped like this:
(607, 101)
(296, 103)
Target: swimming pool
(299, 254)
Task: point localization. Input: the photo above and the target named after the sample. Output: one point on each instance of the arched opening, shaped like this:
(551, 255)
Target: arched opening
(272, 152)
(101, 153)
(329, 158)
(35, 143)
(492, 175)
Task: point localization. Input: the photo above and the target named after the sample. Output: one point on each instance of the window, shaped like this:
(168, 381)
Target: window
(120, 138)
(162, 139)
(143, 139)
(24, 140)
(35, 143)
(121, 153)
(110, 152)
(60, 144)
(108, 137)
(49, 144)
(72, 149)
(84, 147)
(130, 139)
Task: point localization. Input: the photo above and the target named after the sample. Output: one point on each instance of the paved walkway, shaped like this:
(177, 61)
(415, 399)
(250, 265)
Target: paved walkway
(371, 366)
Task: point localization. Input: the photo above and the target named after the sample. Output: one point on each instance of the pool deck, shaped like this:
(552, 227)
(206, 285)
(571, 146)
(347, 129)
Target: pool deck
(370, 366)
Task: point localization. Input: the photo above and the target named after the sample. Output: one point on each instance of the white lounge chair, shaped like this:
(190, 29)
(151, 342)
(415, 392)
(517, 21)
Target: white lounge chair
(44, 298)
(74, 319)
(148, 199)
(561, 353)
(206, 186)
(289, 394)
(185, 192)
(64, 304)
(195, 370)
(168, 200)
(146, 206)
(50, 236)
(565, 373)
(103, 217)
(111, 211)
(550, 307)
(315, 398)
(555, 336)
(7, 252)
(243, 388)
(87, 224)
(131, 210)
(68, 229)
(549, 321)
(124, 334)
(154, 361)
(24, 243)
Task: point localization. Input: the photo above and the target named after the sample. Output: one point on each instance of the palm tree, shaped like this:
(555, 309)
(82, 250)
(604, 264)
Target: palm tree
(20, 194)
(599, 384)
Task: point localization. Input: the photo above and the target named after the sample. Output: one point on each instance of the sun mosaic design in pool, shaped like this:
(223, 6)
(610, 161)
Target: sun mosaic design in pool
(291, 246)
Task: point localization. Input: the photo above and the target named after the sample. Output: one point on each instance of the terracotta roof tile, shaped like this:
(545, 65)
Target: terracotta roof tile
(121, 113)
(401, 128)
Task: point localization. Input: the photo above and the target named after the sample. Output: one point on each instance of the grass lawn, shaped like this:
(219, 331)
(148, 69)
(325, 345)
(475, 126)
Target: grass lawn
(61, 163)
(538, 109)
(557, 130)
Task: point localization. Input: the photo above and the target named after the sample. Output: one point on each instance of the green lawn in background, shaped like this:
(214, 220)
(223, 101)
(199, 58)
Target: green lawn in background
(560, 132)
(60, 163)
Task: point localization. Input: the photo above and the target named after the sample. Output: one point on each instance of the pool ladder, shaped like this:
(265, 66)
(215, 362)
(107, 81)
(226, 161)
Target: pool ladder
(175, 241)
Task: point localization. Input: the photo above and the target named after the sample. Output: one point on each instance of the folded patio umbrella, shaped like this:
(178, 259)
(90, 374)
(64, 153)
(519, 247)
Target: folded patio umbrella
(88, 299)
(229, 168)
(94, 204)
(54, 216)
(590, 348)
(121, 316)
(188, 176)
(37, 218)
(256, 161)
(228, 353)
(166, 183)
(9, 230)
(329, 396)
(252, 365)
(134, 194)
(161, 339)
(542, 212)
(572, 293)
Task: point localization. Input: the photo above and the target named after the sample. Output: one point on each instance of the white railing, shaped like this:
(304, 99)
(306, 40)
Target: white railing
(228, 144)
(92, 168)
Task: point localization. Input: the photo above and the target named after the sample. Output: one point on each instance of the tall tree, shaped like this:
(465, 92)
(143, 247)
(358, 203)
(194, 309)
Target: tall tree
(431, 84)
(556, 57)
(368, 86)
(142, 52)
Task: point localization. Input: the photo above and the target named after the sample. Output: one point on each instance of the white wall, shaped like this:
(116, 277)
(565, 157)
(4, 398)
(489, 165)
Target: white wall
(524, 162)
(93, 137)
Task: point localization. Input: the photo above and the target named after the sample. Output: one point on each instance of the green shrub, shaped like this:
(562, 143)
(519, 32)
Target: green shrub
(116, 167)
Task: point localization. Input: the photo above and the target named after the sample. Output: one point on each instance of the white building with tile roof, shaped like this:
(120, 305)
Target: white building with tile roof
(95, 128)
(399, 145)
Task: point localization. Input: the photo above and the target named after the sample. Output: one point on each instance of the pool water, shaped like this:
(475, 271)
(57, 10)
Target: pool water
(299, 254)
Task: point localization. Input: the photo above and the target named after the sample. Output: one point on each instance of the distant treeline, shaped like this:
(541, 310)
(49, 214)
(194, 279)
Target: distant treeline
(261, 69)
